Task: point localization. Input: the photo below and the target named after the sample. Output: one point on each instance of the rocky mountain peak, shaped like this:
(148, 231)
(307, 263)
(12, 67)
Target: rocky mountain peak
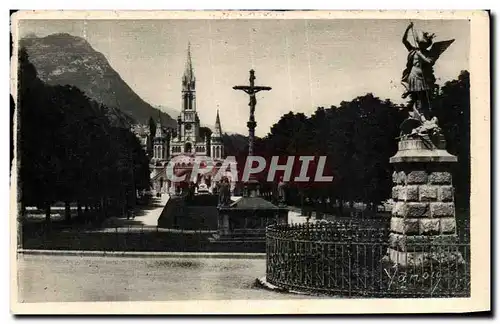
(67, 59)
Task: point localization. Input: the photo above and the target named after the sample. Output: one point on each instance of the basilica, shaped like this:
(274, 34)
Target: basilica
(186, 142)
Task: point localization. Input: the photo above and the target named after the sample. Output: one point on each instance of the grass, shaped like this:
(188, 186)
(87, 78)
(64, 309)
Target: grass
(150, 240)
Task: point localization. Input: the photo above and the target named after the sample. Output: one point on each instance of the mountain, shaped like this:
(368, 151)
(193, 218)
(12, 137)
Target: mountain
(66, 59)
(235, 133)
(172, 112)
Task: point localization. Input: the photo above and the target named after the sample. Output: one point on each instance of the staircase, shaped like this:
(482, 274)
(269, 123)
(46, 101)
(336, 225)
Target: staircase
(200, 217)
(193, 215)
(172, 213)
(201, 214)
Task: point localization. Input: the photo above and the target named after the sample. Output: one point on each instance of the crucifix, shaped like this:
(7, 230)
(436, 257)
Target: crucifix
(251, 90)
(252, 185)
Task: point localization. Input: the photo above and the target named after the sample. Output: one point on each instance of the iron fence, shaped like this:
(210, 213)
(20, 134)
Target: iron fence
(351, 259)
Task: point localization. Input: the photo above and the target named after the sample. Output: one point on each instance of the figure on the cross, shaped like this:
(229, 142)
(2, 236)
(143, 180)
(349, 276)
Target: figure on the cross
(251, 90)
(253, 102)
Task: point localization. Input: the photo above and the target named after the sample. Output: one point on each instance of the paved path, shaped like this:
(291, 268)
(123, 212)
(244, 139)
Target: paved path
(48, 278)
(150, 218)
(296, 218)
(145, 215)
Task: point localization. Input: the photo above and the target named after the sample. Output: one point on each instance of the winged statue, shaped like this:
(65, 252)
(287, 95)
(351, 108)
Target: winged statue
(418, 77)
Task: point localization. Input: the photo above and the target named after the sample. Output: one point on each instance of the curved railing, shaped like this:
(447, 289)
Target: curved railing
(346, 259)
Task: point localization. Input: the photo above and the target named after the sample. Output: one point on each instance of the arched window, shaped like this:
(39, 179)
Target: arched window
(187, 148)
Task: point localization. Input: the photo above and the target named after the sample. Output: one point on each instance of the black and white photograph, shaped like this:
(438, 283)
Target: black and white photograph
(203, 158)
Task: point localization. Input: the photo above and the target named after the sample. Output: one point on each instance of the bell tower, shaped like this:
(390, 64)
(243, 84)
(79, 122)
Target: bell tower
(189, 118)
(159, 143)
(216, 142)
(188, 85)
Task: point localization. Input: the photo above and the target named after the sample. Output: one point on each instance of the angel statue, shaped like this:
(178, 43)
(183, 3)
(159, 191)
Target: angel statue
(418, 78)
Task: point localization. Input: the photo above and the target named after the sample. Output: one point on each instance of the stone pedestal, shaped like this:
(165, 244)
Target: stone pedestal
(252, 187)
(223, 224)
(423, 215)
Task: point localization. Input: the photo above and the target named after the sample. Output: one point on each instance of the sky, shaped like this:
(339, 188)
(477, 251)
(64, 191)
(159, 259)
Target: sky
(308, 63)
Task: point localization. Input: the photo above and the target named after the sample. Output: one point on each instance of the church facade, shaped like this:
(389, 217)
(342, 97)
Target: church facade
(186, 142)
(188, 139)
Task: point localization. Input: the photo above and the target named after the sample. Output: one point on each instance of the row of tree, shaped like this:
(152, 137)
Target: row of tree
(358, 137)
(68, 151)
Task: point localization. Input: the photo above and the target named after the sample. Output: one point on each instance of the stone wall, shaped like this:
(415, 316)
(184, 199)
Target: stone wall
(424, 210)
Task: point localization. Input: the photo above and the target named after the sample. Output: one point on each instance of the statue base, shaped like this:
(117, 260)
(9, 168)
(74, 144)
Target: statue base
(252, 188)
(423, 216)
(422, 148)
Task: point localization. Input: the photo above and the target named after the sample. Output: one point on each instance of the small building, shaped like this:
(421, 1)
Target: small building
(248, 217)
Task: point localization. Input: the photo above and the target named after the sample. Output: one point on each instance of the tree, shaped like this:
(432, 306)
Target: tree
(152, 132)
(452, 107)
(206, 132)
(70, 152)
(37, 163)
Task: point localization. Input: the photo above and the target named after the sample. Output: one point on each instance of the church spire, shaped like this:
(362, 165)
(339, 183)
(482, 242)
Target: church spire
(218, 130)
(217, 120)
(188, 70)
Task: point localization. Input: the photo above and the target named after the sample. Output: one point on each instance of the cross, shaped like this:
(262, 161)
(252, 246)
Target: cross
(251, 90)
